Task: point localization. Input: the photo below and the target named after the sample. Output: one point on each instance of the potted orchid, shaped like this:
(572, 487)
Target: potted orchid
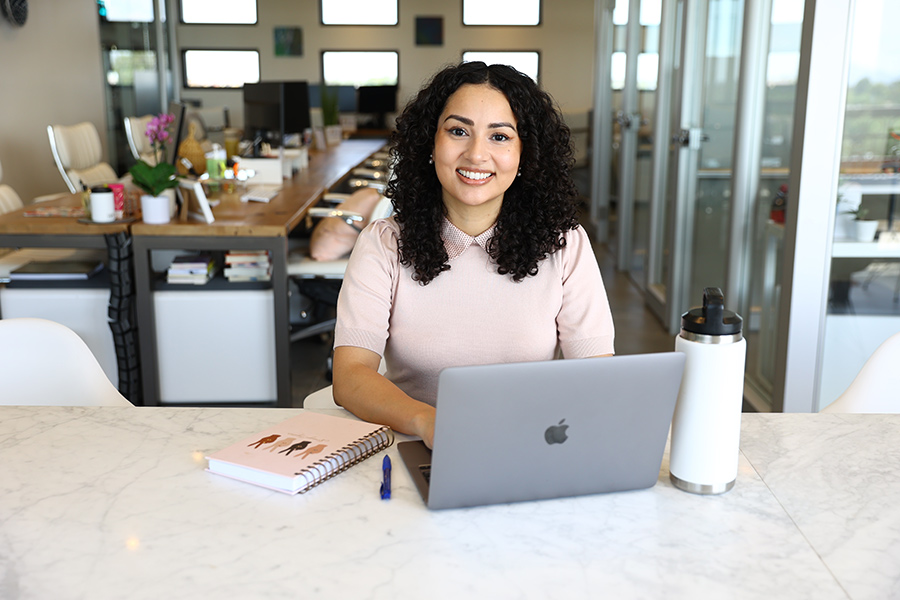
(154, 180)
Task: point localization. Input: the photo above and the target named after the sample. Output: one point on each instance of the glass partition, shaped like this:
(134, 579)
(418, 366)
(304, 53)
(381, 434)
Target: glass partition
(864, 284)
(761, 322)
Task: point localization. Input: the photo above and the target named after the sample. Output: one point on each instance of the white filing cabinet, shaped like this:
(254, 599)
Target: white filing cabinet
(215, 346)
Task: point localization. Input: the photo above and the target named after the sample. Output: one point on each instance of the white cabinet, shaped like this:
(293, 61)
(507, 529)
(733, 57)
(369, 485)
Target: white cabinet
(215, 346)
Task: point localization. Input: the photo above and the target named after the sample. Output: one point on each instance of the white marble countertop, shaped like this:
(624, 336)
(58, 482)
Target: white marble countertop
(115, 503)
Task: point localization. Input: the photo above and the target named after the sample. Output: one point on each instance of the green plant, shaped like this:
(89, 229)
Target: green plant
(330, 112)
(859, 214)
(157, 178)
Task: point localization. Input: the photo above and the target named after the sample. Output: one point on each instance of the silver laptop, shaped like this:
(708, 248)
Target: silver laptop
(531, 431)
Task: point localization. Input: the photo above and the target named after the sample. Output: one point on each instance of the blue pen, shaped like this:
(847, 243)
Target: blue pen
(386, 481)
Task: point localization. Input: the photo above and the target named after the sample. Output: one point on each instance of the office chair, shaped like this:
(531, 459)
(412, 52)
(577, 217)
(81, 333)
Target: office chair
(79, 156)
(138, 142)
(9, 199)
(43, 363)
(875, 388)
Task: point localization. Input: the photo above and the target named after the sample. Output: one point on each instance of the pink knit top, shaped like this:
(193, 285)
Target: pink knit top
(470, 314)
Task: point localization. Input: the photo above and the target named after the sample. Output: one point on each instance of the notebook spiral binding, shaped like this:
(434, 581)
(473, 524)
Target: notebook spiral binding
(341, 460)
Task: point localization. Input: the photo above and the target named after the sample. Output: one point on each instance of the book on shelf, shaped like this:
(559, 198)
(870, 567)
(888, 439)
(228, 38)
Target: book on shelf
(301, 452)
(191, 268)
(58, 270)
(254, 271)
(247, 257)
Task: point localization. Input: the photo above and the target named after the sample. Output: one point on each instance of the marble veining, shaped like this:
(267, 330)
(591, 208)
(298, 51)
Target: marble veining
(115, 503)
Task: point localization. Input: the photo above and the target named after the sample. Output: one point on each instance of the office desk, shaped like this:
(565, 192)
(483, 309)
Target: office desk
(241, 226)
(114, 503)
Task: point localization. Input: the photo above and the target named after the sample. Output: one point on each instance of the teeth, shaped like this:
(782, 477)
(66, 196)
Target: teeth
(473, 174)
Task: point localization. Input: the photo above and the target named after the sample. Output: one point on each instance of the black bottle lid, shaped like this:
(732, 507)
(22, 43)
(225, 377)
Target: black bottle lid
(712, 318)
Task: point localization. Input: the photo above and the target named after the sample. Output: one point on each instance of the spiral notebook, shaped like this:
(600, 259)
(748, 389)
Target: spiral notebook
(301, 452)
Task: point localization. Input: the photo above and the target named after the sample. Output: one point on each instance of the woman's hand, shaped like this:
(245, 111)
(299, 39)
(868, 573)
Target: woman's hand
(361, 389)
(423, 425)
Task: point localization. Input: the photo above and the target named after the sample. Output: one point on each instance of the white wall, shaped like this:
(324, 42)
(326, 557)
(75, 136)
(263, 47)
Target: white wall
(564, 39)
(51, 68)
(50, 72)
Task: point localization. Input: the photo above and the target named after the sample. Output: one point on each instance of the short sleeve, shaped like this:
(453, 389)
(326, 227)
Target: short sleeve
(584, 324)
(366, 297)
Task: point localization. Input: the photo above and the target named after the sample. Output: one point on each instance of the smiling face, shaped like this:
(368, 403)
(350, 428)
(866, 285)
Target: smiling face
(476, 155)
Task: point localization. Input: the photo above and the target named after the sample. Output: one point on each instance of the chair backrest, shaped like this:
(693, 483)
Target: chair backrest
(78, 155)
(9, 199)
(138, 142)
(44, 363)
(875, 388)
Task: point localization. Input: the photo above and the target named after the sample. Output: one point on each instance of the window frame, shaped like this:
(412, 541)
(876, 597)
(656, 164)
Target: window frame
(322, 52)
(522, 50)
(181, 20)
(324, 24)
(184, 73)
(462, 17)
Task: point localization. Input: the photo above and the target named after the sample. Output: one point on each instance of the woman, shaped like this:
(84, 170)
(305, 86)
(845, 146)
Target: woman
(482, 262)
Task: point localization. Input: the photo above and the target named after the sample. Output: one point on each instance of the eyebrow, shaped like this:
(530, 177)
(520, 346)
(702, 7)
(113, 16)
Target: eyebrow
(470, 122)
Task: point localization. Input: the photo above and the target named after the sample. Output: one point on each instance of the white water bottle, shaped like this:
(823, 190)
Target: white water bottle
(706, 427)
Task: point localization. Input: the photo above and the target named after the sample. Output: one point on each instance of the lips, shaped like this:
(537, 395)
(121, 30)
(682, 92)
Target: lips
(474, 176)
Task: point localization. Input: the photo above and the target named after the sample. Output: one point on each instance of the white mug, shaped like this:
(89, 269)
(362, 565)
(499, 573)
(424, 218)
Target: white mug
(103, 206)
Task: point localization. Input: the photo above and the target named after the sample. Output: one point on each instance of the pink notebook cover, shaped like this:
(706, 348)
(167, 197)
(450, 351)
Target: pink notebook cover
(300, 452)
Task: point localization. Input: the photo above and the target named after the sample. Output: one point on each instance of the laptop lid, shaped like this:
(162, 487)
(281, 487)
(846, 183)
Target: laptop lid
(529, 431)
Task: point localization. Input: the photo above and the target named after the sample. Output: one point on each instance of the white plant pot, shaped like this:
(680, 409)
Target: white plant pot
(156, 210)
(865, 230)
(333, 134)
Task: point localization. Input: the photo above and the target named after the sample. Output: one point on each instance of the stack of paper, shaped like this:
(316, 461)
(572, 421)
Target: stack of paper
(248, 265)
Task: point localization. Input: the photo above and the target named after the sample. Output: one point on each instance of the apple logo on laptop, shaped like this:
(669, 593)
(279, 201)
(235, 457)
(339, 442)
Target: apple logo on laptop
(556, 434)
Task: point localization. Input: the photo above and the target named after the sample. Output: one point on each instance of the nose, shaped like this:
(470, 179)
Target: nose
(477, 151)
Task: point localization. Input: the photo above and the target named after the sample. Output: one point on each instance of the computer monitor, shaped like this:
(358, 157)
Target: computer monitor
(273, 109)
(346, 96)
(377, 100)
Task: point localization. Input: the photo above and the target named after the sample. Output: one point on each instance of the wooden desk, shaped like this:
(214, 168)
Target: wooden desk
(114, 503)
(17, 230)
(241, 226)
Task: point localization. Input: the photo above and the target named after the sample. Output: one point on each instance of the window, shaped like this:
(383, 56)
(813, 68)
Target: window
(129, 11)
(124, 63)
(647, 70)
(220, 68)
(360, 68)
(230, 12)
(501, 12)
(359, 12)
(526, 62)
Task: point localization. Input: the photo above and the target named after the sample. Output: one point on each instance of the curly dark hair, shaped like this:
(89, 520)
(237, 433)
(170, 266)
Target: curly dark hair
(537, 209)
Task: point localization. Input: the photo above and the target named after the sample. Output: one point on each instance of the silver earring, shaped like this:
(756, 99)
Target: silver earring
(519, 174)
(431, 160)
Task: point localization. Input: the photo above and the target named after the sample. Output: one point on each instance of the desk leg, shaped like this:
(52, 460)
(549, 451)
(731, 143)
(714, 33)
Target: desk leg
(146, 321)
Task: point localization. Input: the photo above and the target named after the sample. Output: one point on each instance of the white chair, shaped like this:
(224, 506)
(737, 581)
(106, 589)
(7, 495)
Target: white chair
(323, 398)
(138, 142)
(9, 199)
(876, 388)
(43, 363)
(78, 155)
